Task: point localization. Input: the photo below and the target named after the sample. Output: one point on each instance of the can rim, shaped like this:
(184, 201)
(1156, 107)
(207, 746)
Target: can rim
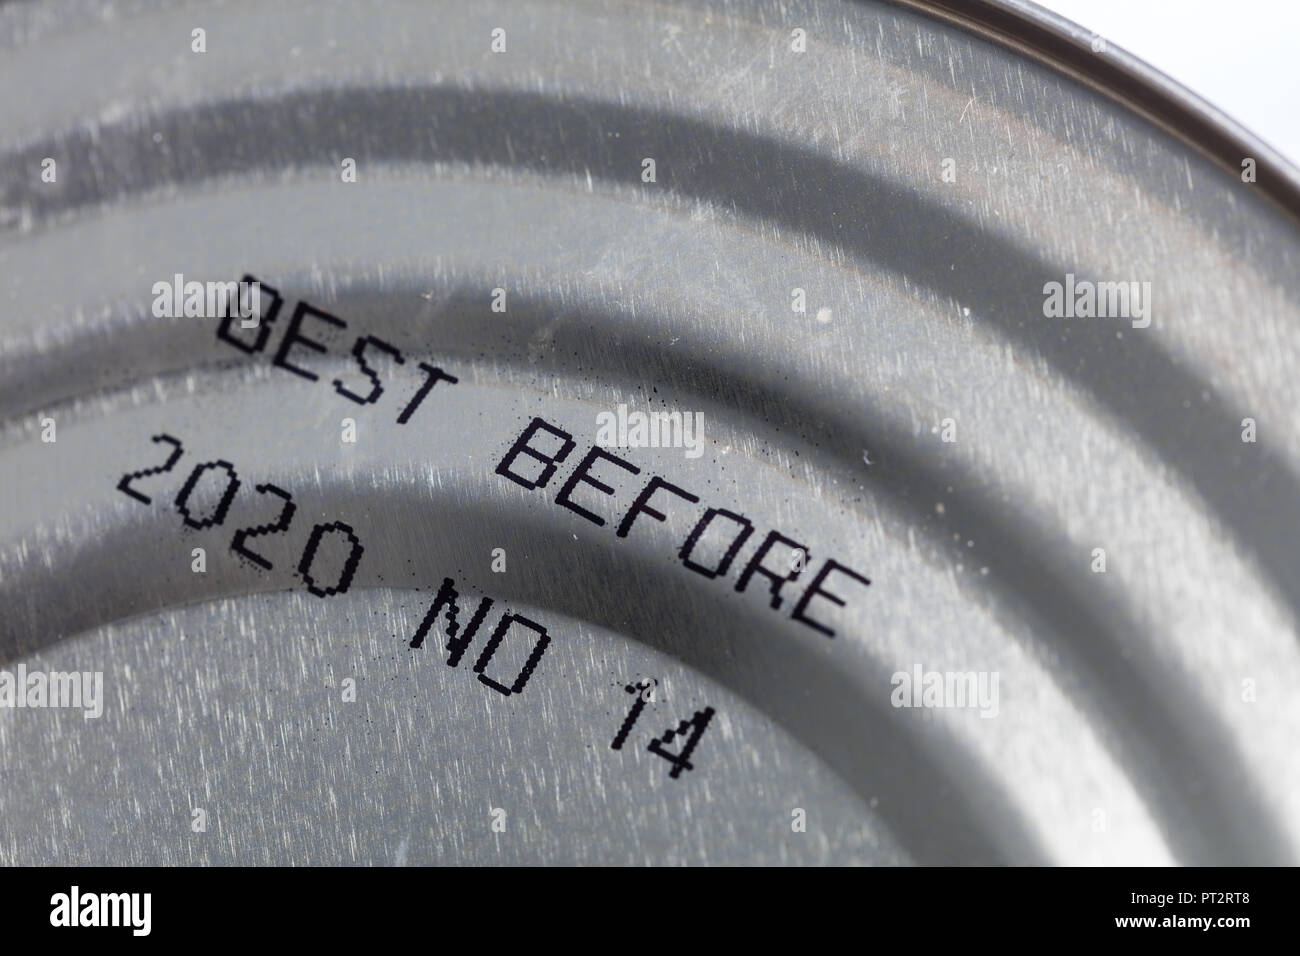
(1126, 79)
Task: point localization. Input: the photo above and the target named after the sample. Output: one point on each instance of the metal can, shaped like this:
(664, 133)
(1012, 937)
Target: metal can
(630, 432)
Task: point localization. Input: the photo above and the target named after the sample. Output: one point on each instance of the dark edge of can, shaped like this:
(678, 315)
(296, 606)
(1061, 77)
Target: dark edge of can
(1126, 79)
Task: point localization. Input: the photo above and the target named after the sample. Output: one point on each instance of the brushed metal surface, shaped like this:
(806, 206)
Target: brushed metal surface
(1124, 733)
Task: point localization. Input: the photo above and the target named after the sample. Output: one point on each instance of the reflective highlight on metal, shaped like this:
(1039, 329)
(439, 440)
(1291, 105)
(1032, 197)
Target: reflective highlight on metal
(1065, 504)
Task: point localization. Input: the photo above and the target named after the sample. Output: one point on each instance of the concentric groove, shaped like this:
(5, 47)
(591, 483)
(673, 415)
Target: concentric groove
(863, 215)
